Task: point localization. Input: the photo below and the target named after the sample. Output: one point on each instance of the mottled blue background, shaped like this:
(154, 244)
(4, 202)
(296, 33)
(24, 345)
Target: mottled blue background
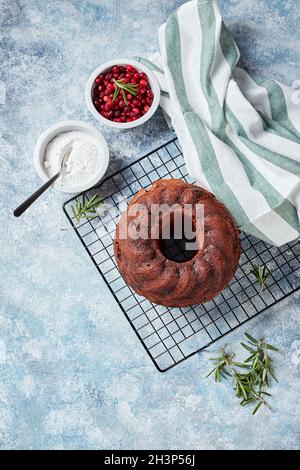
(72, 372)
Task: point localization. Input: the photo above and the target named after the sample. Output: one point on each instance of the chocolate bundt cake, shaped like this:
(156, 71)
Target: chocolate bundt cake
(150, 271)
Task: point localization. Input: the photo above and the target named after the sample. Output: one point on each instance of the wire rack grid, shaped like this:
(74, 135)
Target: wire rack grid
(171, 335)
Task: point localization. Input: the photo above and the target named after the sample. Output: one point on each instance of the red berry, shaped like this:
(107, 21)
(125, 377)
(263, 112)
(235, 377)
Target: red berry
(99, 80)
(110, 88)
(146, 108)
(105, 98)
(136, 111)
(143, 82)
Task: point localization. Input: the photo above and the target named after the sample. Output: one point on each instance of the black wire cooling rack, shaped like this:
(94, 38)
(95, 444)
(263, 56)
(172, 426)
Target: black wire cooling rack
(171, 335)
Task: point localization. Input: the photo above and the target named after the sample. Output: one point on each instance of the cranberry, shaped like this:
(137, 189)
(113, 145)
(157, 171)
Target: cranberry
(106, 98)
(110, 88)
(146, 108)
(143, 83)
(142, 91)
(99, 80)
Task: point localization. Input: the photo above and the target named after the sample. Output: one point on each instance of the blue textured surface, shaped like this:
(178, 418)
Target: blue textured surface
(72, 372)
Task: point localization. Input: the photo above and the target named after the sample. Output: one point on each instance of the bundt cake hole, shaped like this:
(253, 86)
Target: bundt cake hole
(177, 234)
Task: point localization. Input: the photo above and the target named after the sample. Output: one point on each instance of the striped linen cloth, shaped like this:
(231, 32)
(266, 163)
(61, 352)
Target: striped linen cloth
(240, 133)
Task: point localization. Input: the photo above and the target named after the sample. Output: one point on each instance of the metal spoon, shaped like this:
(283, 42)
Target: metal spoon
(22, 207)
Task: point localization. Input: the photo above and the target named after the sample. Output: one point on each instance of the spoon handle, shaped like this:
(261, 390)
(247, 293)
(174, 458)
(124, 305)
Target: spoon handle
(22, 207)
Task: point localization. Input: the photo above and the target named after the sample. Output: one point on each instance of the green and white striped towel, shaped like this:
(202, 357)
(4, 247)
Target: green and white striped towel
(240, 134)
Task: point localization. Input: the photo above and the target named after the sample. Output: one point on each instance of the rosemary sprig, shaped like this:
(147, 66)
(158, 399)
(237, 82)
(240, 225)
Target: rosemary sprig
(122, 86)
(262, 273)
(87, 209)
(261, 363)
(222, 364)
(250, 384)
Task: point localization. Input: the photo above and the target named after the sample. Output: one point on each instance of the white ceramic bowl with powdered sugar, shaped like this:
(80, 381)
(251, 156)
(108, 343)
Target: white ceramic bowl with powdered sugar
(88, 160)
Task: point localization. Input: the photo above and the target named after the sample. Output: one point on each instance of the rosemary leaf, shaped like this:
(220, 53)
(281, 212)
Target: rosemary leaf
(240, 364)
(116, 92)
(268, 346)
(248, 347)
(210, 372)
(251, 338)
(124, 97)
(257, 407)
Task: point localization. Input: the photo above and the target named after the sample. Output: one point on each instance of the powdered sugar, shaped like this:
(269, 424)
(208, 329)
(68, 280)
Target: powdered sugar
(84, 162)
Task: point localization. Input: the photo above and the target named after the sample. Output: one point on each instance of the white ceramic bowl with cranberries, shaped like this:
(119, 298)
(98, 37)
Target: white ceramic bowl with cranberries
(122, 93)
